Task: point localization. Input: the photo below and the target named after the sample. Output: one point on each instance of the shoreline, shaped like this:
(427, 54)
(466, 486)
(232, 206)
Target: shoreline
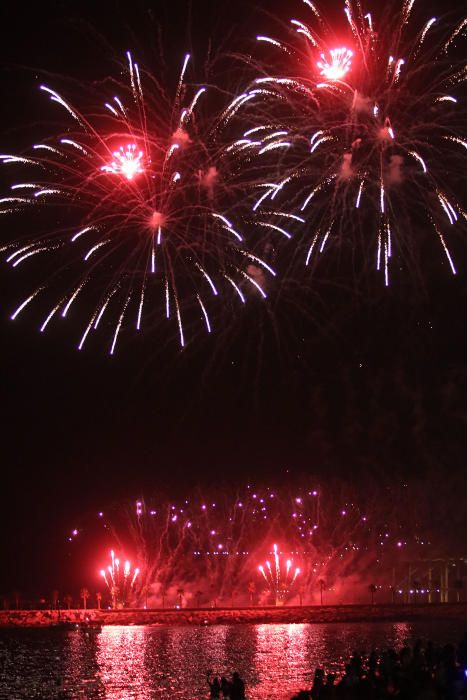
(221, 616)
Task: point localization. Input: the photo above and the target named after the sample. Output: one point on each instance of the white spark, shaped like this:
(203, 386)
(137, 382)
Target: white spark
(111, 109)
(49, 317)
(253, 282)
(94, 248)
(310, 251)
(303, 29)
(195, 99)
(237, 289)
(120, 105)
(261, 262)
(180, 326)
(420, 160)
(78, 146)
(29, 254)
(256, 128)
(268, 39)
(72, 298)
(266, 224)
(323, 139)
(446, 250)
(184, 67)
(6, 158)
(273, 146)
(40, 193)
(25, 303)
(140, 309)
(224, 219)
(18, 252)
(288, 216)
(326, 236)
(167, 300)
(172, 150)
(55, 97)
(359, 196)
(119, 325)
(454, 139)
(44, 147)
(205, 313)
(211, 283)
(81, 233)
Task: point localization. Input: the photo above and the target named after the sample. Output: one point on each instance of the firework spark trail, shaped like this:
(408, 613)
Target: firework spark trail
(143, 203)
(381, 117)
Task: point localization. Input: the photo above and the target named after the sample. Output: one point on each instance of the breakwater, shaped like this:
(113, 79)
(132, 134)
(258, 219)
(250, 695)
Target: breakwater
(222, 616)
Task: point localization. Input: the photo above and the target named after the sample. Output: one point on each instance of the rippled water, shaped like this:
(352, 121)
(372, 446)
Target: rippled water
(120, 663)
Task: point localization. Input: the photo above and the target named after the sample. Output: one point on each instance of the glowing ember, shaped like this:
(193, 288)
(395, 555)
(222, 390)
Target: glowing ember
(127, 162)
(338, 66)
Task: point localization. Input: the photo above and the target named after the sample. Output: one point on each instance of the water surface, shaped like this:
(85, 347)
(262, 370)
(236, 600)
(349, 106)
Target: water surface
(165, 662)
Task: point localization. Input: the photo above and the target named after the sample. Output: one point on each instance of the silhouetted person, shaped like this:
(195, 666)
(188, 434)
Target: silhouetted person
(328, 691)
(462, 652)
(318, 683)
(225, 687)
(214, 686)
(237, 687)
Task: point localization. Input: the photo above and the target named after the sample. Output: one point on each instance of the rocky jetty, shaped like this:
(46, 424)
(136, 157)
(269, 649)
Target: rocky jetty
(222, 616)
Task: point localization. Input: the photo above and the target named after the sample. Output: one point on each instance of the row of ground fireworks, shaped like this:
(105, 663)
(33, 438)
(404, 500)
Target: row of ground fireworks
(342, 533)
(121, 580)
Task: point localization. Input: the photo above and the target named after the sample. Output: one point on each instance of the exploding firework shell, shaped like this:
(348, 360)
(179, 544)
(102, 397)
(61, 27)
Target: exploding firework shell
(138, 194)
(360, 143)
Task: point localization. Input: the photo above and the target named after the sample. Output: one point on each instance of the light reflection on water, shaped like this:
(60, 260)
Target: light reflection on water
(120, 663)
(121, 659)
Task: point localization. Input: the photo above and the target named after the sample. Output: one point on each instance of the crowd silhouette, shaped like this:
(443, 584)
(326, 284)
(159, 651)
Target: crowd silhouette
(421, 672)
(223, 688)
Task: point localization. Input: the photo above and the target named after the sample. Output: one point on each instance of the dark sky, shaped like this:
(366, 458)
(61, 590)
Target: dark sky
(340, 379)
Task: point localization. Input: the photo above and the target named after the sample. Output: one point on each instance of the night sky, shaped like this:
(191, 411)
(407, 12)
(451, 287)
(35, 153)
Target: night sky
(347, 377)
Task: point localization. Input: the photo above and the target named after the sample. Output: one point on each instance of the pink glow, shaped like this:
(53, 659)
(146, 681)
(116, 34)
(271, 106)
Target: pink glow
(338, 65)
(127, 162)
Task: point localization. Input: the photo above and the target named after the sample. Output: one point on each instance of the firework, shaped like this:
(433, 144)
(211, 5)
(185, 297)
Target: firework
(120, 580)
(359, 139)
(208, 544)
(138, 191)
(279, 579)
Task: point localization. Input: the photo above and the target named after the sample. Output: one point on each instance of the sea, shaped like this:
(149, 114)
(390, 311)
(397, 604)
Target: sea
(172, 662)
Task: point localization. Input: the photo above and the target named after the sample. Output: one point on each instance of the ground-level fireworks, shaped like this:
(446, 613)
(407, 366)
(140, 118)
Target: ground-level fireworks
(332, 539)
(120, 579)
(279, 579)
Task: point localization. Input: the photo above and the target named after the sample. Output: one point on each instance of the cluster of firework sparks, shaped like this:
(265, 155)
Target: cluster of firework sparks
(220, 543)
(279, 581)
(345, 143)
(119, 580)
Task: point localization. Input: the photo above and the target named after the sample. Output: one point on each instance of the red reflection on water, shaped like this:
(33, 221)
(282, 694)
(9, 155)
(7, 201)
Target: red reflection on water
(402, 634)
(121, 660)
(281, 656)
